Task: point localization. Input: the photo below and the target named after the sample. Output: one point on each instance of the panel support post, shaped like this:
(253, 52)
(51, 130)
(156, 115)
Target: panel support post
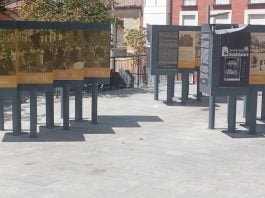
(49, 109)
(65, 110)
(244, 107)
(247, 107)
(185, 87)
(199, 94)
(61, 93)
(170, 78)
(173, 87)
(94, 107)
(78, 103)
(2, 114)
(156, 87)
(211, 123)
(16, 113)
(33, 113)
(263, 106)
(253, 110)
(231, 117)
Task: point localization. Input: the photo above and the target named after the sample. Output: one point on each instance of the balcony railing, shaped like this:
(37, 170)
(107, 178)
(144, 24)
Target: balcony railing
(222, 2)
(256, 1)
(189, 2)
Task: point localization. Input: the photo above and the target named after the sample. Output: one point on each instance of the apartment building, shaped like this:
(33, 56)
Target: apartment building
(194, 12)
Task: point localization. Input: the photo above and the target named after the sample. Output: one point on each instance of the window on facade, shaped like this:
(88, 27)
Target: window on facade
(222, 2)
(222, 19)
(256, 1)
(161, 2)
(189, 2)
(150, 3)
(256, 19)
(189, 20)
(153, 3)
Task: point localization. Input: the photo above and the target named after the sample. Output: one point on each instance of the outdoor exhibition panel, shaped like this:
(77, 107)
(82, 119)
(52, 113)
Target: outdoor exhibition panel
(225, 60)
(257, 56)
(36, 56)
(38, 53)
(233, 64)
(174, 49)
(8, 73)
(98, 45)
(232, 60)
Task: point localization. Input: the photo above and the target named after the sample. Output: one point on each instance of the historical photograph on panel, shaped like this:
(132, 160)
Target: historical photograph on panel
(7, 52)
(185, 39)
(168, 50)
(97, 46)
(232, 69)
(68, 49)
(257, 58)
(34, 50)
(257, 52)
(186, 49)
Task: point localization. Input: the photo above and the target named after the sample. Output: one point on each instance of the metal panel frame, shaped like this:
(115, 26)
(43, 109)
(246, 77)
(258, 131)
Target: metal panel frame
(155, 29)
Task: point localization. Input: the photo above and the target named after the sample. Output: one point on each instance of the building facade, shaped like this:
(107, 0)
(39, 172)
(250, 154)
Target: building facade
(131, 14)
(156, 12)
(194, 12)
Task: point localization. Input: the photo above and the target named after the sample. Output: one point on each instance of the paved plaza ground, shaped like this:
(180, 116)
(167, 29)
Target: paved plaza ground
(141, 148)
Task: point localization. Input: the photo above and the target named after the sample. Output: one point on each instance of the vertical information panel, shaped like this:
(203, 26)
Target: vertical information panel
(167, 50)
(234, 68)
(204, 69)
(34, 54)
(8, 58)
(257, 59)
(174, 49)
(189, 49)
(97, 54)
(68, 54)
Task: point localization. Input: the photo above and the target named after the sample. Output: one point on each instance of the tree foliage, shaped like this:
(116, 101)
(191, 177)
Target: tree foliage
(67, 10)
(2, 6)
(136, 39)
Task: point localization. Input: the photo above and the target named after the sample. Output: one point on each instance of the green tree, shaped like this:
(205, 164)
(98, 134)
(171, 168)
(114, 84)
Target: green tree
(2, 6)
(67, 10)
(136, 40)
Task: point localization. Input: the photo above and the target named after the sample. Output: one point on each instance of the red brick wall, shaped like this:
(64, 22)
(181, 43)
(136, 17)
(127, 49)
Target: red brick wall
(202, 8)
(176, 8)
(237, 6)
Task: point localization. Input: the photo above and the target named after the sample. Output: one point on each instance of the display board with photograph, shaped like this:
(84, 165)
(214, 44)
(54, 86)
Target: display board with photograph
(97, 45)
(174, 48)
(68, 54)
(34, 56)
(189, 49)
(8, 58)
(41, 52)
(257, 59)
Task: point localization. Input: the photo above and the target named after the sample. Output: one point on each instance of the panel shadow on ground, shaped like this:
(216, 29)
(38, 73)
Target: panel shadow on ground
(79, 129)
(245, 133)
